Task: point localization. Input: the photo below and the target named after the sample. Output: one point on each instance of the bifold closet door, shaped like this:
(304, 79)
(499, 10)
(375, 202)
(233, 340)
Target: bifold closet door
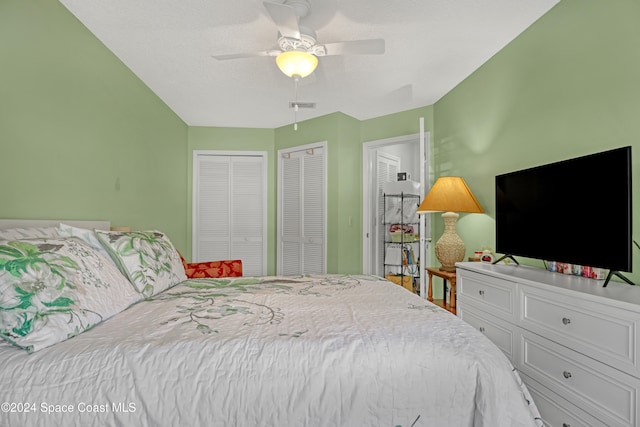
(302, 212)
(229, 220)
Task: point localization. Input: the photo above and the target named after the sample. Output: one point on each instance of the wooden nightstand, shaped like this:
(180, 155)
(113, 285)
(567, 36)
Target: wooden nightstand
(444, 275)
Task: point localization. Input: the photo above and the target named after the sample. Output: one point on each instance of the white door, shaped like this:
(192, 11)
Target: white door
(302, 210)
(229, 209)
(387, 168)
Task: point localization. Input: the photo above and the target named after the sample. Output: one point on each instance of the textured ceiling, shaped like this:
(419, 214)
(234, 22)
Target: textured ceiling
(431, 46)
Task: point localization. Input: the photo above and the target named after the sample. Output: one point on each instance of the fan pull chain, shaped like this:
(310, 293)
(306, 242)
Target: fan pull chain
(295, 104)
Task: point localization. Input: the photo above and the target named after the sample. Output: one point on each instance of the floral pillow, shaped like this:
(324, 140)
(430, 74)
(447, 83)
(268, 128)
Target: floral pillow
(85, 234)
(53, 289)
(147, 258)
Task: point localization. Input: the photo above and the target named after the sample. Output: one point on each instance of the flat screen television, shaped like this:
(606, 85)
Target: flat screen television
(575, 211)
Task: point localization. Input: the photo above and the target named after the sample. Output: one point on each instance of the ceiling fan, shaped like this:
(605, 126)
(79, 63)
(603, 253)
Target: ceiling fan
(298, 49)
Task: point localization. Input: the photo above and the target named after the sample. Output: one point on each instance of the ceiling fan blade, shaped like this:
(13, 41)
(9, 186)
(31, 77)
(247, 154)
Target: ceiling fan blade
(274, 52)
(356, 47)
(285, 18)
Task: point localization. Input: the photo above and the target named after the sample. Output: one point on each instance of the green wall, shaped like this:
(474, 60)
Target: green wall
(81, 137)
(566, 87)
(398, 124)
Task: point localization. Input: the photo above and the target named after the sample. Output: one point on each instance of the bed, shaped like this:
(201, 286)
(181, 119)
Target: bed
(325, 350)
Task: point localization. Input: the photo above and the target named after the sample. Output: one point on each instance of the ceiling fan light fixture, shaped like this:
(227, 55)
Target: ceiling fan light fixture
(296, 63)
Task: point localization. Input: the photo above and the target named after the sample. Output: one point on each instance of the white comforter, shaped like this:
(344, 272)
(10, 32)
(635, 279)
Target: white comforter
(304, 351)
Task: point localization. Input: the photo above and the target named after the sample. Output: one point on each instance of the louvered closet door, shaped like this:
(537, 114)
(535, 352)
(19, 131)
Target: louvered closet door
(290, 217)
(211, 229)
(247, 213)
(302, 186)
(229, 210)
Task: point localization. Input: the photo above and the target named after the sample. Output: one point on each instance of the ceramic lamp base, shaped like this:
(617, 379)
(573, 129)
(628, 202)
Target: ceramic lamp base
(449, 248)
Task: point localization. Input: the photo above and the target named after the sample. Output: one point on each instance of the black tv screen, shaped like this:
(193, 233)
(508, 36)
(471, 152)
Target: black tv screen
(575, 211)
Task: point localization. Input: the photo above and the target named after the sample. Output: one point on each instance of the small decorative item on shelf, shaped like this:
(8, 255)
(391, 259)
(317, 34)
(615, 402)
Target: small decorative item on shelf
(577, 270)
(406, 228)
(597, 273)
(402, 233)
(487, 256)
(564, 268)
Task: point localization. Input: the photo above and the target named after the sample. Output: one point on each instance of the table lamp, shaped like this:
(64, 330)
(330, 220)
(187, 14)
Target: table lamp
(450, 194)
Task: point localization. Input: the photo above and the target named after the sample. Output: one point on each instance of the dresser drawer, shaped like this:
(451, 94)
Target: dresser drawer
(494, 295)
(605, 393)
(497, 330)
(594, 329)
(557, 411)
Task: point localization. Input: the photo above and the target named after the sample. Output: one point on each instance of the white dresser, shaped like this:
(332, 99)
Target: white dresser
(575, 343)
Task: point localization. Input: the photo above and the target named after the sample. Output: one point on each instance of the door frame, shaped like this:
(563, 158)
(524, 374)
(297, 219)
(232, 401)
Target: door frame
(368, 156)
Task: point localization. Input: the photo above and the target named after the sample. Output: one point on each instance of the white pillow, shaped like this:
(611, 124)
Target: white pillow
(85, 234)
(28, 233)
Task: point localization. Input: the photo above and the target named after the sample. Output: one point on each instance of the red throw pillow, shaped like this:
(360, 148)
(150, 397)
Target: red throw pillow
(213, 269)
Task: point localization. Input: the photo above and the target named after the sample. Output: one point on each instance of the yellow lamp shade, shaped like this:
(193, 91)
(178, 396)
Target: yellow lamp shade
(450, 194)
(297, 63)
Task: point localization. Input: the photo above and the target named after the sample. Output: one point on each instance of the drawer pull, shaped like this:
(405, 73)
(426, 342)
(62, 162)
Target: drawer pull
(481, 292)
(566, 374)
(566, 320)
(482, 329)
(566, 425)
